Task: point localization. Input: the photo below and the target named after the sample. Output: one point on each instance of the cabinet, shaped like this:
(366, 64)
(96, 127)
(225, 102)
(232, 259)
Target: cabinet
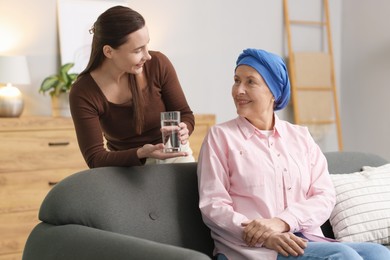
(202, 124)
(35, 153)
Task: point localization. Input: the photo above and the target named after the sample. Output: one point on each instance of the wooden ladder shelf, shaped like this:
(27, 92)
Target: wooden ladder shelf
(312, 76)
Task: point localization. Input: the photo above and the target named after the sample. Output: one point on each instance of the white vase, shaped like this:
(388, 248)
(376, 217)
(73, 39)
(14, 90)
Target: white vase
(60, 105)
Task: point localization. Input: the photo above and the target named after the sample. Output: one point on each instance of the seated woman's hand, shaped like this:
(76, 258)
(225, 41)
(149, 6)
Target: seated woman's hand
(258, 230)
(156, 152)
(286, 243)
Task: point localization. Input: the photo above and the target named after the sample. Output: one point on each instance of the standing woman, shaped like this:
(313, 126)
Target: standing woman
(121, 93)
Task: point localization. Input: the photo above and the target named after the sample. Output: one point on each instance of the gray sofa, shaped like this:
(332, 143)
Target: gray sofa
(143, 212)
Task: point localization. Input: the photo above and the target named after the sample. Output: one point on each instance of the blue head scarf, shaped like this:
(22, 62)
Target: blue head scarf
(273, 70)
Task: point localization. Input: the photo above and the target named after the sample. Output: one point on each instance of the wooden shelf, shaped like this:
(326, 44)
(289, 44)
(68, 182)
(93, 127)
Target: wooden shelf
(28, 164)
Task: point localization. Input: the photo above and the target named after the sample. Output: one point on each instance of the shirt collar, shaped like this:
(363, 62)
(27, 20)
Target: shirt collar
(249, 130)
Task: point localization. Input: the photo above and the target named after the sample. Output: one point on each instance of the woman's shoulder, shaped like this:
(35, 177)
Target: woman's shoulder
(294, 127)
(293, 131)
(225, 127)
(84, 86)
(83, 81)
(157, 55)
(158, 59)
(159, 65)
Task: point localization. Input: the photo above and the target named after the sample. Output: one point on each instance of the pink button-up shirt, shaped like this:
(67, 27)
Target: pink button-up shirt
(245, 175)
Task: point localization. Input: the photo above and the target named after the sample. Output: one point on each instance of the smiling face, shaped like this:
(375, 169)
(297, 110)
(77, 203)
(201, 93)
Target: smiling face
(132, 55)
(251, 95)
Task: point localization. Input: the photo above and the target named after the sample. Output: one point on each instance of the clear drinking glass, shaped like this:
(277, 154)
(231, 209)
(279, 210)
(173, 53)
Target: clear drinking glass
(170, 131)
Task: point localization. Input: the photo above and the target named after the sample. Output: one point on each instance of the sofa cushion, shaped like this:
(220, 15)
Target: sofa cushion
(347, 162)
(362, 211)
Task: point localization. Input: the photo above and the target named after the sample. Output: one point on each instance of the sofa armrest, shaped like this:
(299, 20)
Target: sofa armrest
(81, 242)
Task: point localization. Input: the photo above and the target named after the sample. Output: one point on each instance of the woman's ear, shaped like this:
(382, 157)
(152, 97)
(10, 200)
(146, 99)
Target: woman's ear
(107, 51)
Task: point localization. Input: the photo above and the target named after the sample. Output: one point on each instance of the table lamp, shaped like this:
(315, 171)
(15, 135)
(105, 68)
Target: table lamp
(13, 70)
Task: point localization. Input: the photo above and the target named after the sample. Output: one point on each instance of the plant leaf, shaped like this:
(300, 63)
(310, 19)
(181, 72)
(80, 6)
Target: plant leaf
(49, 83)
(64, 70)
(73, 76)
(61, 87)
(59, 83)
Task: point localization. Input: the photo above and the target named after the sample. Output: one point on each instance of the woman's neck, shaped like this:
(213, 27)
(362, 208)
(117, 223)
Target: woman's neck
(263, 122)
(109, 73)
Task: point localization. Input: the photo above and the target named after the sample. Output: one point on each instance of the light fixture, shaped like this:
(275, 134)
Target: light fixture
(13, 70)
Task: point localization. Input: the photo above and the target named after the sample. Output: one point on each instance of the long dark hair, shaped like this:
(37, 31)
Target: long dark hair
(112, 28)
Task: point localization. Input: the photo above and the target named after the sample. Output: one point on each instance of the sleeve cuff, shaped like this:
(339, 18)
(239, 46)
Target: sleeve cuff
(290, 220)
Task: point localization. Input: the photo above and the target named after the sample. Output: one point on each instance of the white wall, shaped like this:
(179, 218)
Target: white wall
(365, 76)
(202, 38)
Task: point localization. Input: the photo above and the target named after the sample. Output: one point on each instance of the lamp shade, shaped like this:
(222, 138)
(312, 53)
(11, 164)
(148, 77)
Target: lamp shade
(14, 70)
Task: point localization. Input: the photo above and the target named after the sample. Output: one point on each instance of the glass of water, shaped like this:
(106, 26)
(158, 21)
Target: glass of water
(170, 131)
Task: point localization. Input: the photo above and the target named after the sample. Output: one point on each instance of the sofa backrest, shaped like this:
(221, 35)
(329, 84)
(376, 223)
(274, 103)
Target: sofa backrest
(348, 162)
(155, 202)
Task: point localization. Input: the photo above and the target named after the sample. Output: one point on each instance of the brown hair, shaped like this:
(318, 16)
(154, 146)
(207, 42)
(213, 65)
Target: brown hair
(112, 28)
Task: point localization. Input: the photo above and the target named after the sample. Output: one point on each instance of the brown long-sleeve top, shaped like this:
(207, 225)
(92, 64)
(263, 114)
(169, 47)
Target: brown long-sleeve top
(94, 116)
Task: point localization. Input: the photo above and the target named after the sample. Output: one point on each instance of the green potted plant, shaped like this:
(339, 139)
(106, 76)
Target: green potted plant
(58, 86)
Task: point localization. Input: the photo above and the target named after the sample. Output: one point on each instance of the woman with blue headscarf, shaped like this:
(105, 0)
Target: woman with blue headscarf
(264, 186)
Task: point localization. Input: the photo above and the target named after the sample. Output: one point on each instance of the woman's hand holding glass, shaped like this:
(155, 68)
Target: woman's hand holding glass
(157, 151)
(183, 133)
